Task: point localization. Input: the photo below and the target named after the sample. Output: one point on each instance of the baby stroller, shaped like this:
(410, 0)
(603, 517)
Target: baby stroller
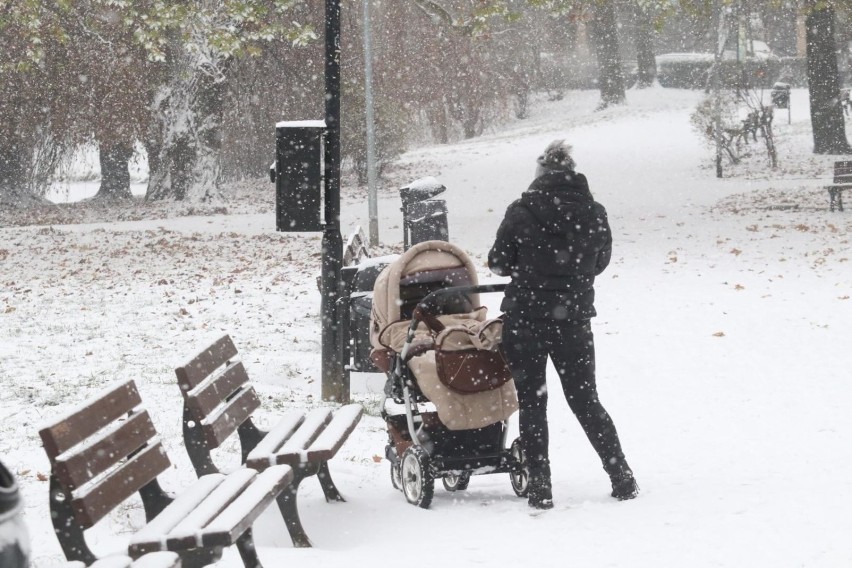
(449, 392)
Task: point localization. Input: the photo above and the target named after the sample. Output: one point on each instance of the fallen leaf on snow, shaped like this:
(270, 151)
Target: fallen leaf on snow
(719, 334)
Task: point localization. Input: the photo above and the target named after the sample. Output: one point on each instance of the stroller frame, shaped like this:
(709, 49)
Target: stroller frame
(415, 471)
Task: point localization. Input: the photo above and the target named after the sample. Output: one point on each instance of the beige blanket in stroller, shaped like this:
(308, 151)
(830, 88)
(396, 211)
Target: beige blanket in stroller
(462, 331)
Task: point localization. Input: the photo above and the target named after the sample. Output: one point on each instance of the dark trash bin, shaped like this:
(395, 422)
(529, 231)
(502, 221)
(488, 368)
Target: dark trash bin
(423, 218)
(297, 175)
(359, 329)
(781, 95)
(14, 538)
(360, 281)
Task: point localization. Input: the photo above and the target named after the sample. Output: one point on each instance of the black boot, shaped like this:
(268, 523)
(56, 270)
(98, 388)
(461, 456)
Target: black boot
(624, 485)
(540, 494)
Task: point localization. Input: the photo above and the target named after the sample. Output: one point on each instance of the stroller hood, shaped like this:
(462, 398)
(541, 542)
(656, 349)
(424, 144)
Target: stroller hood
(422, 258)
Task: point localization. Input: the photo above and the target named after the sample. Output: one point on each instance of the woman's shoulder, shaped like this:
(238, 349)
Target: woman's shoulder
(517, 209)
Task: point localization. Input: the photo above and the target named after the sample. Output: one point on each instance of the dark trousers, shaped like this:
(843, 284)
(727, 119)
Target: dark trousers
(571, 347)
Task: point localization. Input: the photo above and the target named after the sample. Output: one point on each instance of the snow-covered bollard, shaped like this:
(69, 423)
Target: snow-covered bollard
(423, 218)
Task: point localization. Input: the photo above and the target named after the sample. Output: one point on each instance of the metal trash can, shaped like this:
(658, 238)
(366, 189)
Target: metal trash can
(781, 95)
(359, 331)
(14, 538)
(297, 174)
(359, 281)
(423, 218)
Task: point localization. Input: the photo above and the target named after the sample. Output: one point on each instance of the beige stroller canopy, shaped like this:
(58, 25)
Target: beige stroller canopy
(429, 257)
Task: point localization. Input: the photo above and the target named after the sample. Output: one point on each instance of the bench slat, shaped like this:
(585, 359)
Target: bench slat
(240, 514)
(203, 399)
(293, 451)
(335, 434)
(93, 502)
(190, 375)
(153, 560)
(80, 465)
(186, 532)
(315, 421)
(214, 512)
(219, 426)
(150, 537)
(258, 458)
(87, 419)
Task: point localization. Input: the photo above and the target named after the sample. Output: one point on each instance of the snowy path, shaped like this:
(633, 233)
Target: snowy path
(723, 355)
(722, 344)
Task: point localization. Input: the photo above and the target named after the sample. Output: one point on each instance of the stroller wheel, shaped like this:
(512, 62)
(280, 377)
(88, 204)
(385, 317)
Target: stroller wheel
(453, 482)
(418, 482)
(396, 475)
(520, 479)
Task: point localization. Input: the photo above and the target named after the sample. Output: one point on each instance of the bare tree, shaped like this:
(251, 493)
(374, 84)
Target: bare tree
(605, 40)
(646, 63)
(829, 129)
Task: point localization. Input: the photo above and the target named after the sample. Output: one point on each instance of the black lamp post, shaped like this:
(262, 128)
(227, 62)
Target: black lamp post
(335, 387)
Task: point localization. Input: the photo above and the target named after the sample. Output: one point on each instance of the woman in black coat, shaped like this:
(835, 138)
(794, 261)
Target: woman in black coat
(553, 241)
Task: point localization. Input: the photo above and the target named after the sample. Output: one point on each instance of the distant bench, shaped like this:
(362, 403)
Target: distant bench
(842, 182)
(107, 449)
(218, 400)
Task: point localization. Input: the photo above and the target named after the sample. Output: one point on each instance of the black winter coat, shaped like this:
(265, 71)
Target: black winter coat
(553, 241)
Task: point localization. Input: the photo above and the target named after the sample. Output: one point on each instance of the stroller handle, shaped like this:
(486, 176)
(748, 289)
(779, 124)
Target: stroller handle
(426, 308)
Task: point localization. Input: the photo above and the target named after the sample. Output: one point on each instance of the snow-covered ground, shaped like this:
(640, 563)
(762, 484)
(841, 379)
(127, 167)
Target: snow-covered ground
(724, 352)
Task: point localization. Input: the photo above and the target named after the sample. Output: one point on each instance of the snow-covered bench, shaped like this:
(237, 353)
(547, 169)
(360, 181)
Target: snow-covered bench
(106, 450)
(842, 182)
(219, 400)
(153, 560)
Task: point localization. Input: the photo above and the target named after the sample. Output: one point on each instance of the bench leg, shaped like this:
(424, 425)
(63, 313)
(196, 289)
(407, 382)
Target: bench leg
(287, 504)
(248, 552)
(327, 484)
(199, 557)
(68, 531)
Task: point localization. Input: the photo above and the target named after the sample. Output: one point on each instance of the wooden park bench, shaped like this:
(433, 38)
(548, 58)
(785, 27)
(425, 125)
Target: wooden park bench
(106, 450)
(219, 399)
(842, 181)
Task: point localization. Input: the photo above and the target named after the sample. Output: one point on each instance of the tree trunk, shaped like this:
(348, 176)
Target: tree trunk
(646, 63)
(158, 176)
(115, 175)
(470, 125)
(15, 184)
(605, 39)
(827, 119)
(189, 139)
(12, 165)
(438, 121)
